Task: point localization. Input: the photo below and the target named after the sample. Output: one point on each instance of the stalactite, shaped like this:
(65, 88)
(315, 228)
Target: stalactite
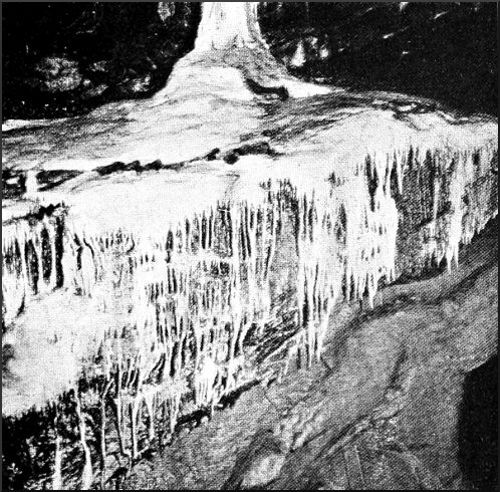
(201, 288)
(30, 262)
(57, 482)
(87, 472)
(103, 446)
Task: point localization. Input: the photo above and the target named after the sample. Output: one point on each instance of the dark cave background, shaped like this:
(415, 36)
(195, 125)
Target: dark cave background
(478, 427)
(66, 58)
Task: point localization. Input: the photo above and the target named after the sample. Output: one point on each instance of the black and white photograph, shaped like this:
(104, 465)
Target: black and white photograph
(249, 245)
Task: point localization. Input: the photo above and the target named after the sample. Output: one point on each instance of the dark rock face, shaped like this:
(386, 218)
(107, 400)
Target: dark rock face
(280, 92)
(14, 182)
(101, 52)
(444, 51)
(64, 59)
(478, 427)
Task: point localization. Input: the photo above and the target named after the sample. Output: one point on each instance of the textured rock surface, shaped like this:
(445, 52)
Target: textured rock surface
(58, 74)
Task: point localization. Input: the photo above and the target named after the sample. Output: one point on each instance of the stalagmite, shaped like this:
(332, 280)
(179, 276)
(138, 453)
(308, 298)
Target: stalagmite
(230, 48)
(24, 257)
(57, 483)
(299, 58)
(228, 24)
(87, 473)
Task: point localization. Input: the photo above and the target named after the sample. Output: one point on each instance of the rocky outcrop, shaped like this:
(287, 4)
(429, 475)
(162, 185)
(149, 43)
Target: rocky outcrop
(58, 74)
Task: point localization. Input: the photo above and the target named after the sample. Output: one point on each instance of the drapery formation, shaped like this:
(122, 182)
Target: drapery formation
(197, 292)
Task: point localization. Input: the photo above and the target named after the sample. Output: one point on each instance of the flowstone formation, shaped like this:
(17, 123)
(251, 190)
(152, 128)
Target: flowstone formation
(169, 279)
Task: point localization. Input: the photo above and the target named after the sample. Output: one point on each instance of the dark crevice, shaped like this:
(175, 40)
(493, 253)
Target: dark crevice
(478, 427)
